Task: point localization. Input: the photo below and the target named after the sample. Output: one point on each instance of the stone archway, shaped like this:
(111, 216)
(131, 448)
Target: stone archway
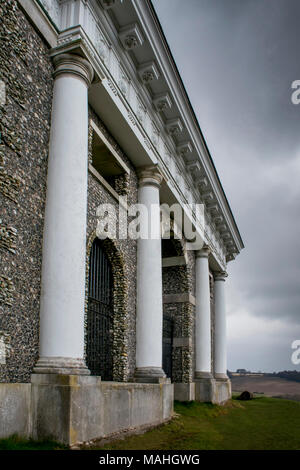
(119, 347)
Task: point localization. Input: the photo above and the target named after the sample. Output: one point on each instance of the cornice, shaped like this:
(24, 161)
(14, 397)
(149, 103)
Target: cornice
(159, 45)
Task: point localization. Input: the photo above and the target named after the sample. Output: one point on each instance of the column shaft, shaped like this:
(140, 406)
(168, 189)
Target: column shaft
(149, 285)
(64, 243)
(203, 316)
(220, 351)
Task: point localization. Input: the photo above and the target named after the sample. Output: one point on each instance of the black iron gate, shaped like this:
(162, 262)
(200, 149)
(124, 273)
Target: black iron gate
(100, 314)
(168, 326)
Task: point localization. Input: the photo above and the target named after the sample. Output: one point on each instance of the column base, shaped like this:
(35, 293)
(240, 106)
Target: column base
(61, 365)
(221, 376)
(205, 387)
(184, 391)
(150, 375)
(223, 389)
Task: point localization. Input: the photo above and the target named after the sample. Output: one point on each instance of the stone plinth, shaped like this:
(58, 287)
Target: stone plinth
(74, 408)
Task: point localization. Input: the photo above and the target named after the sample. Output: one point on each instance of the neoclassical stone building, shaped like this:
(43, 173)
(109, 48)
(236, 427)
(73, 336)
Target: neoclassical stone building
(98, 336)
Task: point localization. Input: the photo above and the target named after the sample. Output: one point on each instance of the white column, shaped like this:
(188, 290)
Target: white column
(203, 316)
(64, 243)
(149, 308)
(220, 350)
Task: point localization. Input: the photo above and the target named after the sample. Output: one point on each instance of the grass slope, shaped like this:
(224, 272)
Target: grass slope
(262, 423)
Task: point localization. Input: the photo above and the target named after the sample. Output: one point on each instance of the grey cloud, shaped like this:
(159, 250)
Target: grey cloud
(238, 60)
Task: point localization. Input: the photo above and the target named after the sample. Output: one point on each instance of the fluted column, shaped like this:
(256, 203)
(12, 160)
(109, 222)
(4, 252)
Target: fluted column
(149, 308)
(64, 243)
(203, 315)
(220, 347)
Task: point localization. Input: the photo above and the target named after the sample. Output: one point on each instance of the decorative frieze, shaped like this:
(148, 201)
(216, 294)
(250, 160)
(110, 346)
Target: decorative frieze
(6, 291)
(141, 111)
(167, 157)
(8, 236)
(102, 47)
(155, 135)
(123, 82)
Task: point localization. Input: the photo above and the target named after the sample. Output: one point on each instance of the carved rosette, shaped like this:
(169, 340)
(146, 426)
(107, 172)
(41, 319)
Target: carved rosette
(131, 36)
(162, 102)
(148, 72)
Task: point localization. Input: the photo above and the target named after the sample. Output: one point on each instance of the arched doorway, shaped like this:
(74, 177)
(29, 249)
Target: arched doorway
(99, 351)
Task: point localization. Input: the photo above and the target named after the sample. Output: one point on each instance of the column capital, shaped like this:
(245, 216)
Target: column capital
(149, 175)
(75, 65)
(203, 253)
(220, 275)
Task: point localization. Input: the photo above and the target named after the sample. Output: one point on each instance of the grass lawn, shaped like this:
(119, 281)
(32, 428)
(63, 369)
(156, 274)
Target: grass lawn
(261, 423)
(17, 443)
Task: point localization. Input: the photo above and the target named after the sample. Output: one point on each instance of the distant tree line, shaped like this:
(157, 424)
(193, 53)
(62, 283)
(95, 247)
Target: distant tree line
(284, 374)
(287, 374)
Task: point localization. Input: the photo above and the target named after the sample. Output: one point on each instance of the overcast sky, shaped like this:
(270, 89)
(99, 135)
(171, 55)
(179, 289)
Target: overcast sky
(237, 59)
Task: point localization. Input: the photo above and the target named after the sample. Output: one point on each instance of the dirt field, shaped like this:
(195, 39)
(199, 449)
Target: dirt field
(269, 386)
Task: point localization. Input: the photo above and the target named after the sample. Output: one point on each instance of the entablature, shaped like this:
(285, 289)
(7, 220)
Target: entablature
(130, 58)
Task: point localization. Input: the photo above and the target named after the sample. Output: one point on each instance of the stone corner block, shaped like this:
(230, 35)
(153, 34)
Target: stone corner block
(184, 391)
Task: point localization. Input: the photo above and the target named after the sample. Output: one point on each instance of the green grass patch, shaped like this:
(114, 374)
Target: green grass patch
(261, 423)
(18, 443)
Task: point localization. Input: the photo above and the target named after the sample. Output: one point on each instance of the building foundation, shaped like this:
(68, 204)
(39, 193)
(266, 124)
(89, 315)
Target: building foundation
(71, 409)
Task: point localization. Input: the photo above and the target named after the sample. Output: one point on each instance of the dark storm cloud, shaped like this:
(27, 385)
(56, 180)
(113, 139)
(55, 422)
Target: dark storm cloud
(238, 60)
